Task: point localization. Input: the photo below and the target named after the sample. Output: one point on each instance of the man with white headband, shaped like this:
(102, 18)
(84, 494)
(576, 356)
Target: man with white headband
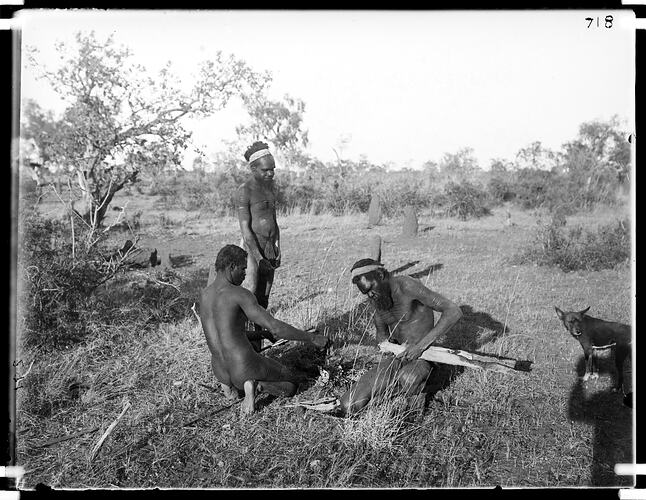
(260, 233)
(404, 314)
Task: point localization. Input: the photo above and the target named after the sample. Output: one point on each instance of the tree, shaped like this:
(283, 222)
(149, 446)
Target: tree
(598, 160)
(279, 122)
(535, 156)
(119, 120)
(460, 166)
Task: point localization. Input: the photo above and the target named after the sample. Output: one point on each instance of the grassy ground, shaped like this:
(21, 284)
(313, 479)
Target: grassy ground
(543, 428)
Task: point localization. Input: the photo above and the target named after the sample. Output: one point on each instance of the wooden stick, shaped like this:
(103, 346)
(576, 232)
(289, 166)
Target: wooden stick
(275, 344)
(95, 450)
(66, 438)
(457, 357)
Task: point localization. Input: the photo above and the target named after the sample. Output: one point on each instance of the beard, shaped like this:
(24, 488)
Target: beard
(382, 298)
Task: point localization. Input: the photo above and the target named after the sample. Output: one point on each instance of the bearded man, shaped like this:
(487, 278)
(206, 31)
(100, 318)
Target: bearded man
(404, 314)
(258, 225)
(225, 307)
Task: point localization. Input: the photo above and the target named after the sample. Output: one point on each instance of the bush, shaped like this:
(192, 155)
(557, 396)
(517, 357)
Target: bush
(574, 248)
(464, 200)
(56, 298)
(500, 190)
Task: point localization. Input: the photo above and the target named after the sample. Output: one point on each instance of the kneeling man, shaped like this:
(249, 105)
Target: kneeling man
(403, 315)
(225, 307)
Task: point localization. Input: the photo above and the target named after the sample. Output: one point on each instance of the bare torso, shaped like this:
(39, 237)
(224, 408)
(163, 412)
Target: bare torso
(408, 320)
(223, 322)
(260, 201)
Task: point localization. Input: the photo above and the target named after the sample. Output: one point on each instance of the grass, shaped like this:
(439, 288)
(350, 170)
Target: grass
(479, 429)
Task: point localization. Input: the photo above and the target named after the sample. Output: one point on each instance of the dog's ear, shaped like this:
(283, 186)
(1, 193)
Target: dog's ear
(559, 313)
(584, 311)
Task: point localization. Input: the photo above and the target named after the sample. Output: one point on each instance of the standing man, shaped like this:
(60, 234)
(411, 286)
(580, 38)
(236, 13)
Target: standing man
(258, 225)
(404, 314)
(225, 307)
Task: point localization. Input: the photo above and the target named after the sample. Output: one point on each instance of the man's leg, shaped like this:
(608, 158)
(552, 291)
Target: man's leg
(252, 285)
(412, 378)
(265, 280)
(230, 392)
(372, 384)
(282, 388)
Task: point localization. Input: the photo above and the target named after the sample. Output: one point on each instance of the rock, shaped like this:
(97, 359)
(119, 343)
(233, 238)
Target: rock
(410, 226)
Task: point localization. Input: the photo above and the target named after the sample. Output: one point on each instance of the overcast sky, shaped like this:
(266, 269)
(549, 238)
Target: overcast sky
(403, 87)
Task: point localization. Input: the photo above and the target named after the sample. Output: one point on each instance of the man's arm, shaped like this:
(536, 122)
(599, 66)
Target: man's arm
(381, 329)
(244, 219)
(450, 313)
(280, 329)
(279, 254)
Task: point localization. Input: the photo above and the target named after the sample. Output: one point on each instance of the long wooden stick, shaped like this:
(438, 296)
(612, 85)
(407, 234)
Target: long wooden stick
(95, 450)
(458, 357)
(66, 438)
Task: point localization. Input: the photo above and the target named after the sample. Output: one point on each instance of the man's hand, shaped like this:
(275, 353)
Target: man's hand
(265, 266)
(317, 339)
(267, 334)
(411, 353)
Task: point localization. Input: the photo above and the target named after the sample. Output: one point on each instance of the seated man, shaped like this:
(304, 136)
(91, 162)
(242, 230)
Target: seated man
(225, 307)
(404, 315)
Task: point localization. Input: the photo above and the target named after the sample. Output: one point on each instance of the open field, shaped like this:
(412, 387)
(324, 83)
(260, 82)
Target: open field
(537, 429)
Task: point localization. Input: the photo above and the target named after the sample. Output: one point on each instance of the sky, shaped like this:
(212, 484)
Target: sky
(396, 87)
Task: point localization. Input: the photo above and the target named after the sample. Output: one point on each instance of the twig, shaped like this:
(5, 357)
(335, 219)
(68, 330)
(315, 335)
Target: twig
(164, 283)
(95, 450)
(207, 414)
(27, 372)
(207, 386)
(66, 438)
(196, 315)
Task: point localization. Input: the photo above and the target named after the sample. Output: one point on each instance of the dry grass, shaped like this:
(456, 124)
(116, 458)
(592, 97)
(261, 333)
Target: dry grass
(478, 429)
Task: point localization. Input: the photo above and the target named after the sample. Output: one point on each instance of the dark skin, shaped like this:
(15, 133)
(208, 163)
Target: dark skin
(409, 321)
(225, 307)
(259, 228)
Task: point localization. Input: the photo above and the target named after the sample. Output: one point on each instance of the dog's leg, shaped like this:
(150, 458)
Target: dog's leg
(594, 365)
(588, 364)
(620, 356)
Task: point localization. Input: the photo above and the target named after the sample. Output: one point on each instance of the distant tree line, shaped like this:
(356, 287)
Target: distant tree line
(122, 129)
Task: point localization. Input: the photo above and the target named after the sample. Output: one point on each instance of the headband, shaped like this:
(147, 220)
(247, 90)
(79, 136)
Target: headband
(366, 269)
(258, 154)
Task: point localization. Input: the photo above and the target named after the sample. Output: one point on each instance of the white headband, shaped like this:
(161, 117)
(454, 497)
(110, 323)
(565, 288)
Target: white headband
(259, 154)
(366, 269)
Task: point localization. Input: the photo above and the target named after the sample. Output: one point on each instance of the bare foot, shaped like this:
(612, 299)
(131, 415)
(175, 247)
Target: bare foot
(230, 393)
(248, 406)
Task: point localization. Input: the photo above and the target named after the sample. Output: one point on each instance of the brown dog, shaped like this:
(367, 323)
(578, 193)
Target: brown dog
(593, 333)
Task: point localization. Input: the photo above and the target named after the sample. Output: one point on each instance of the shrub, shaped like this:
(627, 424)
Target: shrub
(500, 190)
(56, 298)
(464, 200)
(574, 248)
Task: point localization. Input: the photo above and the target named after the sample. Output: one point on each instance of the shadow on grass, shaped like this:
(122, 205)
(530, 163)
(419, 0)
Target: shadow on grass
(612, 426)
(403, 268)
(426, 272)
(470, 333)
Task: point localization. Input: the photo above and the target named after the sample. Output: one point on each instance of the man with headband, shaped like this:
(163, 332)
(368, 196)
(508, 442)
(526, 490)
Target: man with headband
(404, 314)
(260, 233)
(225, 307)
